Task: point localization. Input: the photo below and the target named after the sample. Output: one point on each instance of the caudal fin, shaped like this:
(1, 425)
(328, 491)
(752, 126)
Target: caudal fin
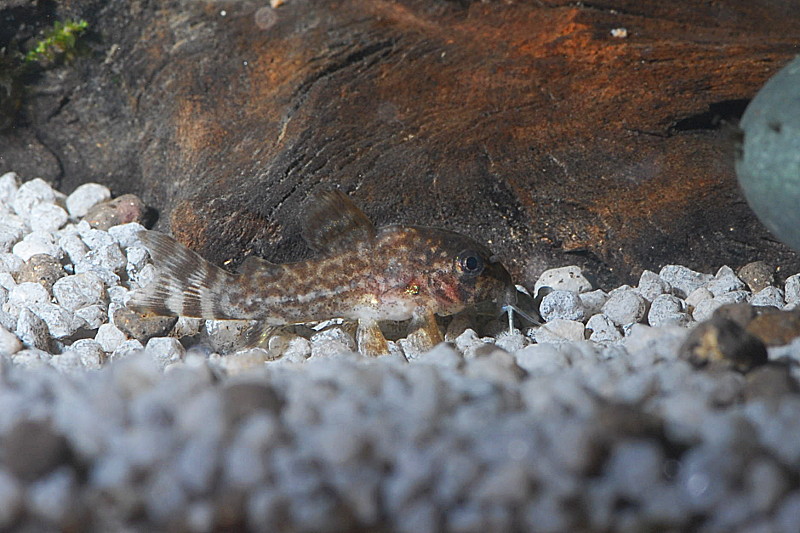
(185, 284)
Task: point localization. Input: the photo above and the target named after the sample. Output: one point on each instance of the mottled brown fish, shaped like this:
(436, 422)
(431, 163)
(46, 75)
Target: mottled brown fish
(363, 274)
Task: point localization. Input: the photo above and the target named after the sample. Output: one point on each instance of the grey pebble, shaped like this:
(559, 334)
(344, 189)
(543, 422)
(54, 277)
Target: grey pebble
(28, 293)
(668, 310)
(61, 322)
(697, 296)
(332, 341)
(142, 328)
(568, 278)
(90, 353)
(86, 196)
(31, 193)
(79, 290)
(725, 281)
(11, 498)
(73, 246)
(683, 280)
(165, 350)
(226, 335)
(768, 296)
(603, 329)
(593, 301)
(109, 337)
(9, 236)
(561, 304)
(47, 217)
(126, 349)
(558, 331)
(624, 306)
(127, 235)
(10, 262)
(541, 359)
(792, 289)
(93, 315)
(9, 184)
(32, 330)
(651, 286)
(37, 242)
(107, 261)
(9, 343)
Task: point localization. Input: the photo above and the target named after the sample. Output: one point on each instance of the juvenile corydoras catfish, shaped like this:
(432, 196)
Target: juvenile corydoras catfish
(363, 274)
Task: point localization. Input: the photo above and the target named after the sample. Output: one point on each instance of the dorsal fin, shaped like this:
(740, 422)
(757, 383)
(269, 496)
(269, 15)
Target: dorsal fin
(334, 223)
(252, 264)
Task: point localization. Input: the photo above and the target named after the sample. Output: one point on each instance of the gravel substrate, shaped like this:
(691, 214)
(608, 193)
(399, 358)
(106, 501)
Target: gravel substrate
(123, 424)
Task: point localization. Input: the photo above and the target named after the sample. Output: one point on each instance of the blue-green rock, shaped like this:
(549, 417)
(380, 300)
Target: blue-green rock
(769, 167)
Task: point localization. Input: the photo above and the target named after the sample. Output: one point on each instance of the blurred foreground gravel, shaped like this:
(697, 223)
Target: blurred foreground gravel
(594, 422)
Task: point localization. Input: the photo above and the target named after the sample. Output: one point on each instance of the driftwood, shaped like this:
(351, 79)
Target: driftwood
(530, 125)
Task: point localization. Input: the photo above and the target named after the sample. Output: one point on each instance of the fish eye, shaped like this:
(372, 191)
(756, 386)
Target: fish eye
(470, 262)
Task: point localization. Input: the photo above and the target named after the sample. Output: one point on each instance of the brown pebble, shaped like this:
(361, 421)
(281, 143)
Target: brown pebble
(32, 448)
(41, 268)
(127, 208)
(140, 327)
(775, 327)
(721, 340)
(246, 397)
(758, 275)
(741, 313)
(770, 382)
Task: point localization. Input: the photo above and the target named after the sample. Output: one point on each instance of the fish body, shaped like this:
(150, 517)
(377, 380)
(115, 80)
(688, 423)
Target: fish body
(362, 273)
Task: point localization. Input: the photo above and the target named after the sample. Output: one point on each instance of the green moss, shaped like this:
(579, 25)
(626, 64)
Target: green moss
(59, 42)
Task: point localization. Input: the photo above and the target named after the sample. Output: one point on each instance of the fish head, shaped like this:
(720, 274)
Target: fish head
(462, 273)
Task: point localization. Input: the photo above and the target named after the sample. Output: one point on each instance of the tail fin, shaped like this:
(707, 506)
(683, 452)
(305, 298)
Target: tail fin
(185, 285)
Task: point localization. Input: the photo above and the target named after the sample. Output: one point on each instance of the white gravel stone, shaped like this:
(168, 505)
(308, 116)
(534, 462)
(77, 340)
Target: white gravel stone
(541, 359)
(668, 310)
(137, 258)
(11, 494)
(31, 193)
(697, 296)
(93, 315)
(85, 197)
(603, 329)
(109, 337)
(9, 183)
(332, 341)
(126, 349)
(683, 280)
(651, 286)
(47, 217)
(792, 289)
(593, 301)
(768, 296)
(7, 281)
(94, 238)
(127, 235)
(27, 293)
(73, 246)
(10, 262)
(624, 306)
(9, 343)
(38, 242)
(61, 322)
(187, 327)
(724, 281)
(165, 350)
(558, 331)
(53, 496)
(90, 353)
(106, 261)
(32, 330)
(226, 336)
(297, 350)
(561, 304)
(9, 236)
(706, 308)
(79, 290)
(568, 278)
